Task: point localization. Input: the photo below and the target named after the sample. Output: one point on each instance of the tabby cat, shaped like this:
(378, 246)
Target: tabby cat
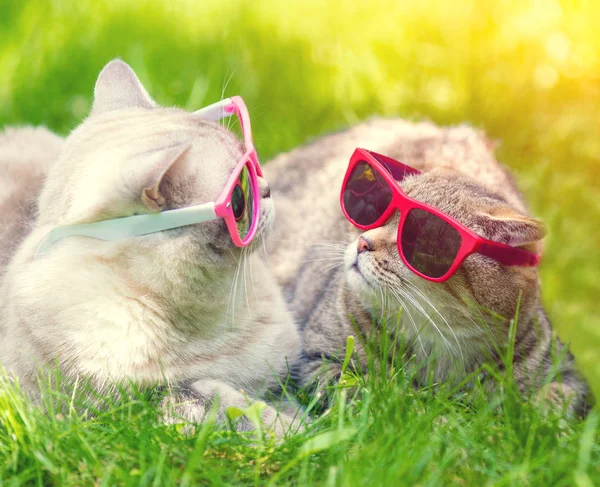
(336, 284)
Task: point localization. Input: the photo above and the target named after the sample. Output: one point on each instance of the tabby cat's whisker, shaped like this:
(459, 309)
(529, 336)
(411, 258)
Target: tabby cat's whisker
(329, 269)
(324, 259)
(492, 334)
(330, 244)
(334, 250)
(428, 301)
(406, 308)
(382, 302)
(412, 299)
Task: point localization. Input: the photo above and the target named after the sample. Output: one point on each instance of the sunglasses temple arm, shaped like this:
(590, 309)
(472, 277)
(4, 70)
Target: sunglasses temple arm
(507, 255)
(227, 108)
(131, 226)
(216, 111)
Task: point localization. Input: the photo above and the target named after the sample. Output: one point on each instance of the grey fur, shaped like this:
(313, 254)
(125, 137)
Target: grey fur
(461, 322)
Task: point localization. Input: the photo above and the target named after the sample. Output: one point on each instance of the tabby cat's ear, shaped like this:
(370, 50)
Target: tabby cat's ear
(506, 225)
(160, 165)
(118, 87)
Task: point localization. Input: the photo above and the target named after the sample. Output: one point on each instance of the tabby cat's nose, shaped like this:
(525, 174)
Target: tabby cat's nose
(364, 245)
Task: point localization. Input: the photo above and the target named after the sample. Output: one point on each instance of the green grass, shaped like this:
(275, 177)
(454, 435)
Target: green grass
(524, 71)
(386, 434)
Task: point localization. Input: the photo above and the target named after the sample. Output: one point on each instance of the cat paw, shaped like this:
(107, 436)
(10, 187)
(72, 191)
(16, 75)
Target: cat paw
(556, 397)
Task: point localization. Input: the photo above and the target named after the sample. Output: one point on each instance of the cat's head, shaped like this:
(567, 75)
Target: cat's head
(482, 291)
(131, 156)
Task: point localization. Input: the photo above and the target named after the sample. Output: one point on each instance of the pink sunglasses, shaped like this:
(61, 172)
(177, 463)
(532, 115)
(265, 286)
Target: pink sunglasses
(431, 244)
(238, 204)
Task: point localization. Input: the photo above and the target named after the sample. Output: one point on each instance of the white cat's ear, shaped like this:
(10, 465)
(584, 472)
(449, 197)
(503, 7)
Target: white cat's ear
(118, 87)
(160, 164)
(506, 225)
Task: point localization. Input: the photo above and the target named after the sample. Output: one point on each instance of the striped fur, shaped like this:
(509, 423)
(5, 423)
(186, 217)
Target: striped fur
(461, 323)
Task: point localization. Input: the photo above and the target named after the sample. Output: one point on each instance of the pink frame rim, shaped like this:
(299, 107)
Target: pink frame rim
(223, 207)
(144, 224)
(470, 241)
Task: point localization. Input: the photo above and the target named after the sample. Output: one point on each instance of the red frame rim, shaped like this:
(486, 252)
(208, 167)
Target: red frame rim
(470, 241)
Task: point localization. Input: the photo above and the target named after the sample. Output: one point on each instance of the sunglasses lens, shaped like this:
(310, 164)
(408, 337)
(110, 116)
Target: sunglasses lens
(366, 195)
(398, 170)
(429, 244)
(242, 203)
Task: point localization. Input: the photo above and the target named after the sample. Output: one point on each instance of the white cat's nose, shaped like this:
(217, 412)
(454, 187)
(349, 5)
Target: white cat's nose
(265, 189)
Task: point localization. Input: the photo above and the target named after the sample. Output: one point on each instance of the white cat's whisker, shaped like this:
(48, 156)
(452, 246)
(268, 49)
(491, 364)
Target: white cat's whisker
(227, 121)
(230, 297)
(263, 239)
(251, 272)
(226, 84)
(245, 266)
(234, 290)
(264, 247)
(244, 279)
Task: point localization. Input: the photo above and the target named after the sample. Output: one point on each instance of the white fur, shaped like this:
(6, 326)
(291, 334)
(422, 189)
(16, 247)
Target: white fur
(157, 309)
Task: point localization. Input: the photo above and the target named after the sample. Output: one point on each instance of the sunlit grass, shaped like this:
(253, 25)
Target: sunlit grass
(525, 71)
(377, 430)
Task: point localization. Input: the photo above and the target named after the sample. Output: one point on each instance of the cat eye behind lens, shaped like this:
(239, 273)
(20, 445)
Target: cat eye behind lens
(366, 195)
(242, 203)
(398, 170)
(430, 245)
(238, 205)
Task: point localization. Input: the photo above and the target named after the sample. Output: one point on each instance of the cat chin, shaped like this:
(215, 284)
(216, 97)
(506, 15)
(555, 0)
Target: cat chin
(365, 292)
(267, 217)
(360, 284)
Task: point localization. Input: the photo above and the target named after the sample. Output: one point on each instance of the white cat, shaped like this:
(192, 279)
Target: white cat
(158, 309)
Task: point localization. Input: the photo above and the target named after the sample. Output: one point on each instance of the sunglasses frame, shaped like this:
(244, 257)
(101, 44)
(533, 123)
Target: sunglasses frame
(223, 207)
(470, 242)
(132, 226)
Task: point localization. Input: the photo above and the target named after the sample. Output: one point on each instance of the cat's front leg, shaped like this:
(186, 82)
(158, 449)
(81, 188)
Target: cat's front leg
(559, 396)
(194, 401)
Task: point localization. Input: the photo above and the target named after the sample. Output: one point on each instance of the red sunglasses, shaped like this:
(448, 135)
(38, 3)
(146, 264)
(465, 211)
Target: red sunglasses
(431, 244)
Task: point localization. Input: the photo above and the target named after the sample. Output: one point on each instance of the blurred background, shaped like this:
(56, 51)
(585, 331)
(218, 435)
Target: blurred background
(526, 71)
